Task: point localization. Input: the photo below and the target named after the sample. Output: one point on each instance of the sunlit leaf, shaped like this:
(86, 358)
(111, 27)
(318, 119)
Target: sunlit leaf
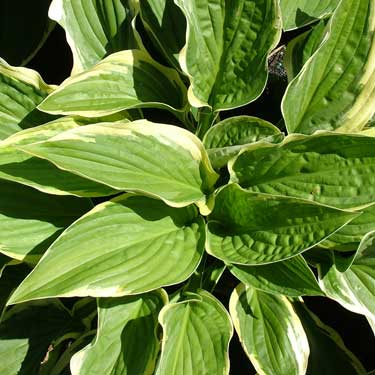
(130, 245)
(196, 337)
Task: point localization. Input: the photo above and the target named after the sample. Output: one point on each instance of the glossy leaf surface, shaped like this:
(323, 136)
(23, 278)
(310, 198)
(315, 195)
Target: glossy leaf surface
(126, 336)
(95, 28)
(123, 80)
(196, 337)
(228, 42)
(162, 160)
(270, 332)
(248, 228)
(335, 90)
(130, 245)
(331, 169)
(291, 277)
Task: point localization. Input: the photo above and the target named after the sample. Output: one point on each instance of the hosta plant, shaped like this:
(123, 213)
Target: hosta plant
(150, 217)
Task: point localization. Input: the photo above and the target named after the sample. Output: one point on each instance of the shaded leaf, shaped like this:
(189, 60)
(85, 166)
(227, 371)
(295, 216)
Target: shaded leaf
(298, 13)
(26, 332)
(24, 27)
(166, 25)
(249, 228)
(328, 353)
(291, 277)
(126, 337)
(31, 220)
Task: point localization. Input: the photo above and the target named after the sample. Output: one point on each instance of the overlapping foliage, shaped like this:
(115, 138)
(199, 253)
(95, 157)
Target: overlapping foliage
(141, 219)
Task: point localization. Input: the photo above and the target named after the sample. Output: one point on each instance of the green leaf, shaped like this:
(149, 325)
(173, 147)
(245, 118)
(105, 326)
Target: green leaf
(354, 289)
(270, 332)
(301, 48)
(10, 278)
(130, 245)
(161, 160)
(94, 29)
(249, 228)
(349, 237)
(19, 19)
(327, 168)
(31, 220)
(166, 25)
(123, 80)
(126, 337)
(328, 353)
(298, 13)
(18, 166)
(196, 337)
(26, 332)
(335, 90)
(228, 137)
(291, 277)
(228, 42)
(21, 90)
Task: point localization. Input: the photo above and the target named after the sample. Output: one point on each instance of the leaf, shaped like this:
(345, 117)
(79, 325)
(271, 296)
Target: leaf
(165, 24)
(94, 29)
(291, 277)
(130, 245)
(31, 220)
(26, 332)
(18, 20)
(349, 237)
(10, 278)
(196, 337)
(251, 229)
(298, 13)
(228, 137)
(21, 90)
(270, 332)
(328, 353)
(301, 48)
(161, 160)
(354, 289)
(327, 168)
(18, 166)
(228, 42)
(126, 337)
(123, 80)
(335, 90)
